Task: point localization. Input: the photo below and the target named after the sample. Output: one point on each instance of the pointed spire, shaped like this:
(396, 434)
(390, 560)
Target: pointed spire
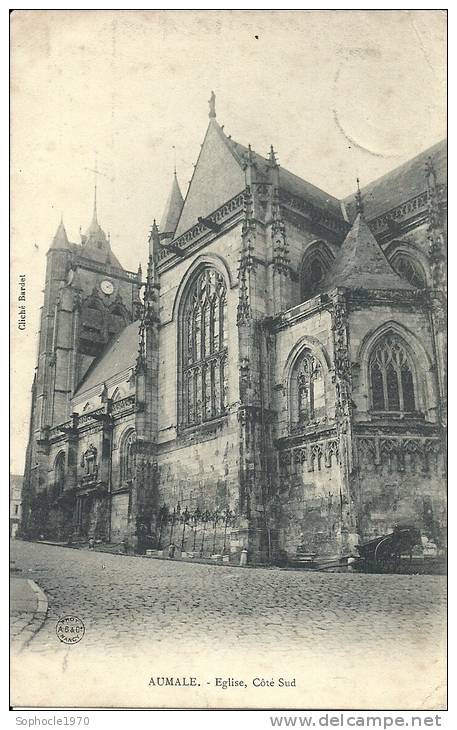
(361, 263)
(153, 259)
(359, 201)
(95, 233)
(94, 215)
(212, 106)
(154, 240)
(172, 210)
(60, 239)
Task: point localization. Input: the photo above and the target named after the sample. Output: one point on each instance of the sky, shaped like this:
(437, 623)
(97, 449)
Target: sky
(339, 94)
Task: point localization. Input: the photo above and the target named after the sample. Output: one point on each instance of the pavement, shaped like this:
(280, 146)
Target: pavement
(28, 609)
(171, 615)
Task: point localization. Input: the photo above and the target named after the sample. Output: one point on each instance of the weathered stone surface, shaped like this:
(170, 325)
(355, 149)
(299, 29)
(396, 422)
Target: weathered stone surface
(296, 455)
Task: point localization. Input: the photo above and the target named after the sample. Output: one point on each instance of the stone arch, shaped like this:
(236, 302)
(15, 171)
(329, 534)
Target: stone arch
(127, 454)
(202, 333)
(316, 261)
(117, 394)
(312, 346)
(402, 251)
(420, 362)
(59, 472)
(207, 259)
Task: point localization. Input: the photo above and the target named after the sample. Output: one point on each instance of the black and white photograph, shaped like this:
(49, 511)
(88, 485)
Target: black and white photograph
(228, 325)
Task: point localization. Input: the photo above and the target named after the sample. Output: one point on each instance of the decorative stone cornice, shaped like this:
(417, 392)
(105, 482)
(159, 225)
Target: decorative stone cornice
(185, 243)
(314, 214)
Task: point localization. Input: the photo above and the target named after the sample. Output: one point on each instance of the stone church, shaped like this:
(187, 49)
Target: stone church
(275, 382)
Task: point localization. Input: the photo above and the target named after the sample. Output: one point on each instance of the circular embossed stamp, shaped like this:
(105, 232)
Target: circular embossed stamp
(70, 629)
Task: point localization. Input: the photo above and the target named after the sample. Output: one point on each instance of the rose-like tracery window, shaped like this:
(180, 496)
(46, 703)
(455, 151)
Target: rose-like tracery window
(204, 351)
(391, 376)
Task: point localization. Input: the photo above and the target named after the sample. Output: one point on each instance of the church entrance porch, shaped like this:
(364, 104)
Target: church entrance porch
(82, 515)
(91, 516)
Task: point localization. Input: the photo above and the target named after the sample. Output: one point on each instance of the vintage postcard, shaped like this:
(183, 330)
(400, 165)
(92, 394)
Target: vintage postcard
(228, 343)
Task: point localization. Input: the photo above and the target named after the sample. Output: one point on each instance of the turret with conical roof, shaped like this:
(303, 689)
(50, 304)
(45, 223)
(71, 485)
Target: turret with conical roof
(60, 239)
(95, 234)
(172, 210)
(361, 263)
(96, 244)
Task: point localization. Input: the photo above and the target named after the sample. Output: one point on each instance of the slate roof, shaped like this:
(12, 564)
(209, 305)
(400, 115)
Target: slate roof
(173, 208)
(219, 176)
(292, 183)
(119, 355)
(360, 263)
(400, 184)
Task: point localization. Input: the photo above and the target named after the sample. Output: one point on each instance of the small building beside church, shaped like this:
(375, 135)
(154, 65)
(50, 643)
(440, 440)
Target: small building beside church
(276, 383)
(15, 502)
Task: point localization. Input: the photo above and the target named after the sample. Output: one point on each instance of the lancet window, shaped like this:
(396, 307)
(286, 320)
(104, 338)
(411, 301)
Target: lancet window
(307, 391)
(391, 376)
(204, 351)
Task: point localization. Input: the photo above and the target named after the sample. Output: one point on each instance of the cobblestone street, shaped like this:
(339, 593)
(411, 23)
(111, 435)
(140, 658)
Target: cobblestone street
(132, 605)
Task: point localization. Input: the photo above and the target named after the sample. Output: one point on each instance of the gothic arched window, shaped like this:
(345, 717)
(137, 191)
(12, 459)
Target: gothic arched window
(117, 319)
(117, 395)
(59, 473)
(410, 269)
(391, 376)
(204, 349)
(127, 456)
(307, 391)
(316, 263)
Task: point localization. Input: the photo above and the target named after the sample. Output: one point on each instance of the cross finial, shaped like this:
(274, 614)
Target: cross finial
(94, 217)
(359, 200)
(212, 106)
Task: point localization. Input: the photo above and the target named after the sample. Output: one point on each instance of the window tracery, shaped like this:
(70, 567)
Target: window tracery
(127, 457)
(391, 376)
(307, 391)
(59, 473)
(204, 360)
(315, 265)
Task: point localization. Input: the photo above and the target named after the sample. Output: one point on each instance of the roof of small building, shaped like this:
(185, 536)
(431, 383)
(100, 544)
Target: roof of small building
(361, 263)
(118, 356)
